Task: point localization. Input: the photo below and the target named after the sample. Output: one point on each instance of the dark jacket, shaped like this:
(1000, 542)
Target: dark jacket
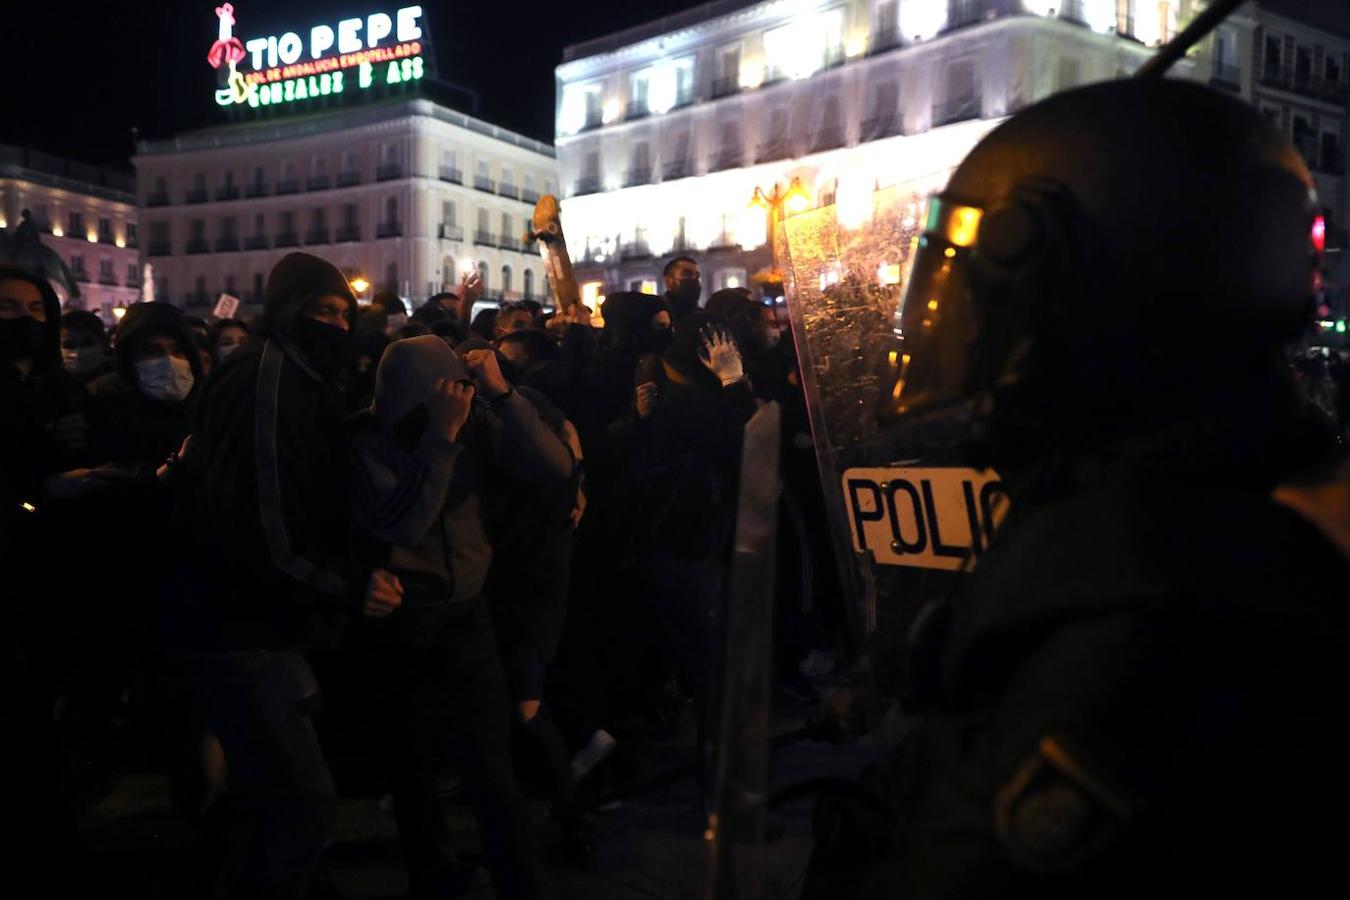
(264, 486)
(417, 496)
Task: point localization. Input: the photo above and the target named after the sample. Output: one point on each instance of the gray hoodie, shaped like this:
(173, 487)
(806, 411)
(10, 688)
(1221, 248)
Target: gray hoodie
(419, 494)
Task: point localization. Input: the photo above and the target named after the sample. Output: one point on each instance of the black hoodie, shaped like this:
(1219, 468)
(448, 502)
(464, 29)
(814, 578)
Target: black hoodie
(264, 487)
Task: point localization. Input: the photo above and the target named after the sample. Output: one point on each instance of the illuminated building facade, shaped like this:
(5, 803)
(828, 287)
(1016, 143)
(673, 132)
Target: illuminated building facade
(84, 213)
(665, 131)
(337, 150)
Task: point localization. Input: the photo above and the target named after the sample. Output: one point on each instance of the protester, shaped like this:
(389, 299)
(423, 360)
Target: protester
(85, 350)
(512, 316)
(420, 468)
(226, 336)
(683, 287)
(262, 481)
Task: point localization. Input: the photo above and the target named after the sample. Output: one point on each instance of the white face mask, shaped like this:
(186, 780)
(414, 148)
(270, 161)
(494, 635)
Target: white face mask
(224, 350)
(773, 337)
(165, 378)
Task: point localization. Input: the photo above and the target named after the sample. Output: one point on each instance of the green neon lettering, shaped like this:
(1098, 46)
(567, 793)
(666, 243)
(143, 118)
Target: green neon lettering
(391, 76)
(288, 89)
(313, 86)
(417, 67)
(366, 75)
(337, 82)
(301, 92)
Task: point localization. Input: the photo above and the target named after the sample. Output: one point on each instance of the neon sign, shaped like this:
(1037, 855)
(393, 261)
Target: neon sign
(355, 55)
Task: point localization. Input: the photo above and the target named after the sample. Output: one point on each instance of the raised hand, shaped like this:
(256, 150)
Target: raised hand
(448, 407)
(720, 355)
(471, 287)
(645, 398)
(484, 369)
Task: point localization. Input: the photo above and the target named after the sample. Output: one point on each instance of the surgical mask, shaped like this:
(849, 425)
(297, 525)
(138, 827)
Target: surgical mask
(165, 378)
(21, 338)
(224, 350)
(84, 360)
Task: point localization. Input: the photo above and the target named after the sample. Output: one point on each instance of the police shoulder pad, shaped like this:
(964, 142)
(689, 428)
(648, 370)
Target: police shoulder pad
(1056, 812)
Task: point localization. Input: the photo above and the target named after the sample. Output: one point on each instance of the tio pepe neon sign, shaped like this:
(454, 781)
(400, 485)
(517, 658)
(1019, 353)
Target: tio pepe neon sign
(265, 71)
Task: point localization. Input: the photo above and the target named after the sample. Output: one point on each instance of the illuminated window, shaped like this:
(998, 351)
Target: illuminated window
(528, 278)
(921, 20)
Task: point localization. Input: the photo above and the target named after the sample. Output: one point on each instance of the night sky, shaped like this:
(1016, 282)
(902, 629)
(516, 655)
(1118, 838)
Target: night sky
(76, 77)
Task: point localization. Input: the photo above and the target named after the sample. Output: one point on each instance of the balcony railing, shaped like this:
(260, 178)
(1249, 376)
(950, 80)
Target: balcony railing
(956, 109)
(594, 119)
(452, 175)
(483, 183)
(255, 190)
(508, 242)
(81, 275)
(106, 237)
(769, 151)
(723, 241)
(388, 229)
(133, 279)
(450, 232)
(1225, 75)
(388, 171)
(195, 196)
(288, 186)
(726, 86)
(676, 168)
(347, 234)
(131, 243)
(963, 13)
(228, 192)
(485, 238)
(881, 126)
(348, 179)
(635, 250)
(158, 248)
(227, 244)
(160, 199)
(637, 111)
(637, 175)
(727, 158)
(828, 139)
(529, 196)
(287, 239)
(107, 278)
(509, 191)
(882, 41)
(317, 236)
(318, 183)
(196, 245)
(255, 242)
(590, 184)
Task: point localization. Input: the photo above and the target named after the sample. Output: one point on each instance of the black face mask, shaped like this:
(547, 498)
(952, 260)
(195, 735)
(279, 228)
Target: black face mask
(328, 348)
(21, 338)
(684, 299)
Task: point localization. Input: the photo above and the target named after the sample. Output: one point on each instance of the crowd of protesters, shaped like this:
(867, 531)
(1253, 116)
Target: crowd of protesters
(510, 529)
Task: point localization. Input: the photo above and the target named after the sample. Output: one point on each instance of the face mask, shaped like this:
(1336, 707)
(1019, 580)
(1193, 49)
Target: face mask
(326, 347)
(224, 350)
(165, 378)
(84, 360)
(21, 338)
(686, 294)
(773, 337)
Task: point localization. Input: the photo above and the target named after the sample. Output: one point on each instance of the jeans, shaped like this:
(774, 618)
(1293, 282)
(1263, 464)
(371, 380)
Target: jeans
(450, 696)
(280, 808)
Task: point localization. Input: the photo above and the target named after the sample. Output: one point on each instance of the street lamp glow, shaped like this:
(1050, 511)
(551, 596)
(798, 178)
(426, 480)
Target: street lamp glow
(797, 200)
(360, 285)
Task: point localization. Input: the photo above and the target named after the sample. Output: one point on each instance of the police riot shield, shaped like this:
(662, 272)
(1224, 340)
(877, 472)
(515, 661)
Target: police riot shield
(906, 516)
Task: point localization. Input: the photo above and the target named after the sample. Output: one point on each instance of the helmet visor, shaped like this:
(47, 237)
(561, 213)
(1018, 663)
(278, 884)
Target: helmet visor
(938, 322)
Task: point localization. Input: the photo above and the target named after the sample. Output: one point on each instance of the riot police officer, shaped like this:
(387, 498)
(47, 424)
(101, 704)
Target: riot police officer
(1138, 691)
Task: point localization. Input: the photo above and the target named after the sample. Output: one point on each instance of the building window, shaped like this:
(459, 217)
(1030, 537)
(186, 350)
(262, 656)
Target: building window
(508, 177)
(1274, 45)
(391, 210)
(449, 213)
(131, 234)
(506, 228)
(257, 287)
(506, 280)
(1333, 67)
(482, 223)
(728, 77)
(75, 225)
(229, 284)
(199, 289)
(449, 275)
(391, 277)
(529, 284)
(960, 97)
(483, 275)
(133, 275)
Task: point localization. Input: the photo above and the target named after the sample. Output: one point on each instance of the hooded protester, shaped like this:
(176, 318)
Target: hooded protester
(636, 326)
(84, 346)
(226, 336)
(691, 472)
(261, 484)
(42, 440)
(432, 432)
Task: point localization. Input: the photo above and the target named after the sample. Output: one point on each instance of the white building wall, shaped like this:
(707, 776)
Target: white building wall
(370, 158)
(104, 260)
(887, 75)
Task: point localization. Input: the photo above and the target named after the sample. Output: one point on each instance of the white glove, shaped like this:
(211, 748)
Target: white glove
(720, 355)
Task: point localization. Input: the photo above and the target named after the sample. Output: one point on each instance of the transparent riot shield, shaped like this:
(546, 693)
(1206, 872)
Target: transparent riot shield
(905, 517)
